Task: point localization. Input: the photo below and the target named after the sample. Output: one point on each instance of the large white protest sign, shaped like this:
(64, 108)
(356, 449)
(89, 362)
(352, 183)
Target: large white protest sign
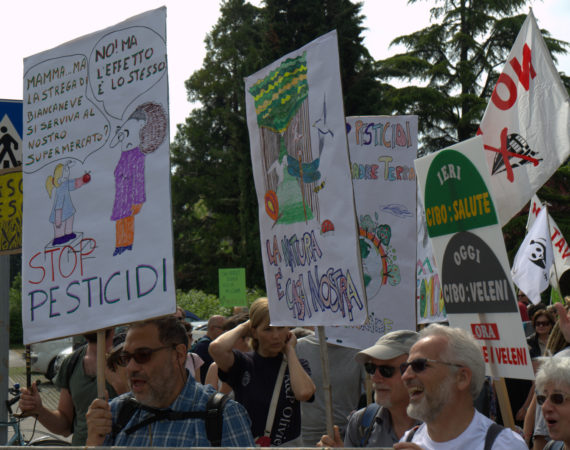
(97, 233)
(526, 126)
(382, 152)
(468, 246)
(302, 177)
(560, 247)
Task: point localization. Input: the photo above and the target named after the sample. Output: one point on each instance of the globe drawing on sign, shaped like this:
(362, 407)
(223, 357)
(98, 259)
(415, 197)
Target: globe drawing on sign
(378, 256)
(374, 265)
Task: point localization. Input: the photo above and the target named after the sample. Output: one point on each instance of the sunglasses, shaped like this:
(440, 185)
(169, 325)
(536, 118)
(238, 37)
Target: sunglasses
(556, 398)
(385, 371)
(140, 355)
(420, 364)
(540, 323)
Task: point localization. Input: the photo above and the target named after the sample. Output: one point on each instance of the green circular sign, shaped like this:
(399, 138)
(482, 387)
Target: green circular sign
(456, 197)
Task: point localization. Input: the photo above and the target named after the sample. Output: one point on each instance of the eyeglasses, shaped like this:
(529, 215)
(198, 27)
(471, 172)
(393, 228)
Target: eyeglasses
(420, 364)
(540, 323)
(385, 371)
(556, 398)
(140, 355)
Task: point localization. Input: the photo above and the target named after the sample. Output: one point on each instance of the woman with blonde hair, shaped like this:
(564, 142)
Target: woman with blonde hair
(270, 382)
(63, 211)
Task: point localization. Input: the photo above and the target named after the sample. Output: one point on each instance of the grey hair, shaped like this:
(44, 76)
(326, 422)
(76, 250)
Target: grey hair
(462, 349)
(553, 370)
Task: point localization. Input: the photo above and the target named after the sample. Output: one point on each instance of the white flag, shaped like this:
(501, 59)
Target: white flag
(531, 268)
(560, 247)
(526, 126)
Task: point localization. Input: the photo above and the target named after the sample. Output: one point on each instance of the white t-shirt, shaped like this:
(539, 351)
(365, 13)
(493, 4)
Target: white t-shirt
(473, 438)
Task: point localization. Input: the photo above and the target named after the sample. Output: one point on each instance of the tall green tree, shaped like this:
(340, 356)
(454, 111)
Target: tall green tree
(452, 66)
(214, 202)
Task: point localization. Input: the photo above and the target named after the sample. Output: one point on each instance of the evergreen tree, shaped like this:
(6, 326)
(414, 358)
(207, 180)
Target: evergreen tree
(457, 61)
(214, 207)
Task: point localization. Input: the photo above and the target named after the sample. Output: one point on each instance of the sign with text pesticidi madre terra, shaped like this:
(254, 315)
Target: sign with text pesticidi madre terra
(301, 171)
(382, 152)
(97, 230)
(470, 253)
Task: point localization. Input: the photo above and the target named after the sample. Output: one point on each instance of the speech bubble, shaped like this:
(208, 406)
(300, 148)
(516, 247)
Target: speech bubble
(59, 120)
(124, 65)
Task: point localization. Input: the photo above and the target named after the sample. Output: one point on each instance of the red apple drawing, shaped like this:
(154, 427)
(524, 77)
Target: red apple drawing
(86, 178)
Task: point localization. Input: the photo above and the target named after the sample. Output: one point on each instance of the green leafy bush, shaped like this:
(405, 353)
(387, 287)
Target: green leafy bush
(206, 305)
(202, 304)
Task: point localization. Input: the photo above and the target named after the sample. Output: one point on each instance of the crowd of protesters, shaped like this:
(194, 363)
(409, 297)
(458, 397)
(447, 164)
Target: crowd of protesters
(427, 388)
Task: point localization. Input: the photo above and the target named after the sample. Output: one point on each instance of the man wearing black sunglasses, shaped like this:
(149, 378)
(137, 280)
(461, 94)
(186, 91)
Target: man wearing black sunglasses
(154, 354)
(444, 374)
(383, 425)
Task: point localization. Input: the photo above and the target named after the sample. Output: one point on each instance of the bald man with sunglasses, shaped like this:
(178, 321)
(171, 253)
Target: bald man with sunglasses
(165, 396)
(444, 374)
(390, 421)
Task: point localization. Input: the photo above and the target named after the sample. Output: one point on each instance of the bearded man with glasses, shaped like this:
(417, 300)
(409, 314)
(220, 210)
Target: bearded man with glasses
(389, 421)
(444, 374)
(154, 354)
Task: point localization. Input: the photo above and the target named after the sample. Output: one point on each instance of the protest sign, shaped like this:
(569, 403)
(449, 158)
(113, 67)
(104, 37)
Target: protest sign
(232, 287)
(462, 223)
(560, 246)
(97, 230)
(430, 306)
(302, 177)
(382, 152)
(526, 126)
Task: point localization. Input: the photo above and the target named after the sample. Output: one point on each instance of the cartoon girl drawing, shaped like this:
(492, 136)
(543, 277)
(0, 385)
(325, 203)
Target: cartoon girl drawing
(141, 134)
(63, 211)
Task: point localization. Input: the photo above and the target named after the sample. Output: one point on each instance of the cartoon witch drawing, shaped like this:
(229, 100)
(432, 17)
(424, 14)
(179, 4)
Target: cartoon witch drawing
(142, 133)
(63, 211)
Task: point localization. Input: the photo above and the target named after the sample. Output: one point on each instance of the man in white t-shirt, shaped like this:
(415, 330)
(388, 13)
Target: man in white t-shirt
(444, 373)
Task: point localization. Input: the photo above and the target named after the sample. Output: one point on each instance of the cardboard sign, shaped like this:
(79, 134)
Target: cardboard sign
(302, 178)
(469, 250)
(97, 224)
(232, 287)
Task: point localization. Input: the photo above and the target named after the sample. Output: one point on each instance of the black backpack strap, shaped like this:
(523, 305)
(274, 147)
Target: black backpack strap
(492, 433)
(412, 433)
(126, 411)
(215, 418)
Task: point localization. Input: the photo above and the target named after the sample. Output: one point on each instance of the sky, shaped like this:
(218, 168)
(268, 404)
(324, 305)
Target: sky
(32, 26)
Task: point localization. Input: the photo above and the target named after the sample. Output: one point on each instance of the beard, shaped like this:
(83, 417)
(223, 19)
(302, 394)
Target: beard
(382, 397)
(429, 407)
